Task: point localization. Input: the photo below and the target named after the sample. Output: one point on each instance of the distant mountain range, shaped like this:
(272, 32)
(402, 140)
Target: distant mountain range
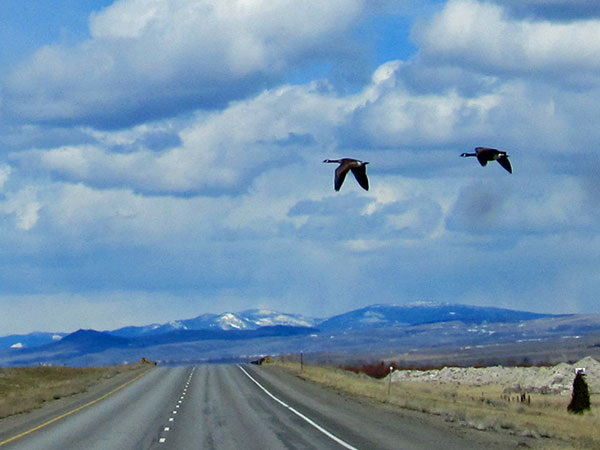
(246, 320)
(422, 313)
(371, 316)
(384, 329)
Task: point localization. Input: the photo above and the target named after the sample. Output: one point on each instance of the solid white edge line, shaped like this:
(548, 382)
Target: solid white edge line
(299, 414)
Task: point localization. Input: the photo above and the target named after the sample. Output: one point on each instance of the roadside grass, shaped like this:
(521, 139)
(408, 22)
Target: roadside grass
(479, 407)
(23, 389)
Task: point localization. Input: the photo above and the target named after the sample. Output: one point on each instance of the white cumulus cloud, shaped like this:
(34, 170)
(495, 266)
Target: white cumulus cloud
(483, 36)
(155, 58)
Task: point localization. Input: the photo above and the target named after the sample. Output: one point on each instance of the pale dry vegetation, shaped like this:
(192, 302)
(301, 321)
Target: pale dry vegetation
(480, 407)
(23, 389)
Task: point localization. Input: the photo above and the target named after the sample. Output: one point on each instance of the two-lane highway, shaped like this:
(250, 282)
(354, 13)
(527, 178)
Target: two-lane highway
(226, 409)
(232, 407)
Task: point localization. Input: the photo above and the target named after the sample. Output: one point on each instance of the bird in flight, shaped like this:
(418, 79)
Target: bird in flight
(358, 168)
(484, 155)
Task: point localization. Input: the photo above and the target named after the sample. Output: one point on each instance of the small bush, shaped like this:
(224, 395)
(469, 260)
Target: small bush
(580, 399)
(380, 370)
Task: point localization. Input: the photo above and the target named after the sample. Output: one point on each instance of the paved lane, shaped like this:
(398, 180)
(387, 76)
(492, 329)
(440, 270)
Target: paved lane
(128, 419)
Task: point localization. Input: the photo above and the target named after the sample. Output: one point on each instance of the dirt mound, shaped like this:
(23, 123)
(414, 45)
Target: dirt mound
(556, 379)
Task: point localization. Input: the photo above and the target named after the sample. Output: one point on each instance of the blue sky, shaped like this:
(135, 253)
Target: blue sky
(162, 159)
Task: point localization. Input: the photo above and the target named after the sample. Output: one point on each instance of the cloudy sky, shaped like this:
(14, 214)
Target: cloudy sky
(162, 159)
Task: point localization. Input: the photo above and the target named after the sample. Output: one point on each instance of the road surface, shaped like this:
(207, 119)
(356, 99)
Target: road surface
(232, 407)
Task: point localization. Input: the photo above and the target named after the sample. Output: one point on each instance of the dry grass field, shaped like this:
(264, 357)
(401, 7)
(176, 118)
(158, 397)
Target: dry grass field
(23, 389)
(488, 408)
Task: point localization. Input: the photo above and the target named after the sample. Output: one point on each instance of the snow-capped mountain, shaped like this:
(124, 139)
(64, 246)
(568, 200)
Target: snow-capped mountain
(267, 318)
(246, 320)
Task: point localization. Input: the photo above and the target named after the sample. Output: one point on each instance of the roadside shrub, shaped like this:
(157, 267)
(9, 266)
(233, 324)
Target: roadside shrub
(378, 371)
(580, 399)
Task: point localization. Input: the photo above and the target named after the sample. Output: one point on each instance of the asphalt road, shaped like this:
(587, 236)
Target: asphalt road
(235, 407)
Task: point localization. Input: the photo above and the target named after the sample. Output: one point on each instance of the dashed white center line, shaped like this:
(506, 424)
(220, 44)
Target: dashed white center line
(179, 402)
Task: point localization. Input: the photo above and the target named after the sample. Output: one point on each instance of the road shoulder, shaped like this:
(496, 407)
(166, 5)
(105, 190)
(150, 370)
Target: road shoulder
(277, 376)
(20, 423)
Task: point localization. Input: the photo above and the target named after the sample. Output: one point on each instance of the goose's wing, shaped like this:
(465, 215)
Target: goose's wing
(340, 176)
(504, 162)
(481, 159)
(360, 173)
(485, 154)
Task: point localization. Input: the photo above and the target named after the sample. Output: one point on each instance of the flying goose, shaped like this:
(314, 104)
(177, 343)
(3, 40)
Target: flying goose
(485, 154)
(358, 168)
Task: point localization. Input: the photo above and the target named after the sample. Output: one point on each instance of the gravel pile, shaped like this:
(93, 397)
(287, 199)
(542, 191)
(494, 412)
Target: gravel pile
(556, 379)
